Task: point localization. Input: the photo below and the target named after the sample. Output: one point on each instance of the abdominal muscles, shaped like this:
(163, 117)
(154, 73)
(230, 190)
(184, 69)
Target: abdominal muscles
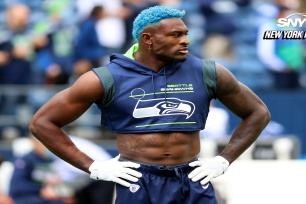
(159, 148)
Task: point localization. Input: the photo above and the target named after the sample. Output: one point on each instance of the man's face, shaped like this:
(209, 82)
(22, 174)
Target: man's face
(169, 40)
(17, 17)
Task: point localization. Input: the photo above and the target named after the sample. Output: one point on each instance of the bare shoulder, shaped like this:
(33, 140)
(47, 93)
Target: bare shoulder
(227, 83)
(88, 88)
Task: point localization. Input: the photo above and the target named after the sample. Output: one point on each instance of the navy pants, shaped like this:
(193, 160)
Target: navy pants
(160, 185)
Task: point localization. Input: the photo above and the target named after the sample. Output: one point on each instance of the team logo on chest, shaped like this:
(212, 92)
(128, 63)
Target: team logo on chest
(160, 106)
(134, 188)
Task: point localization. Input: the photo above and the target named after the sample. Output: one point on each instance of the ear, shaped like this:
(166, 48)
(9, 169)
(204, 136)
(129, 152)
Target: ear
(146, 37)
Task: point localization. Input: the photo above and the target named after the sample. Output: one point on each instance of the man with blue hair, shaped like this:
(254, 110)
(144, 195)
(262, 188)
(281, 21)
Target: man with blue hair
(156, 98)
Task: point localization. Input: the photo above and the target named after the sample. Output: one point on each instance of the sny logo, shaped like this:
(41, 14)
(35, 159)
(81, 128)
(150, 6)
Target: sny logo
(288, 34)
(288, 21)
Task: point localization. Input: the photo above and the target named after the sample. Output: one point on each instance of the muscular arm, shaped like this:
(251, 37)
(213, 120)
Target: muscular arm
(240, 100)
(62, 109)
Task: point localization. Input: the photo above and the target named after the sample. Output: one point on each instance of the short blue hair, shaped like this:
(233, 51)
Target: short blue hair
(154, 15)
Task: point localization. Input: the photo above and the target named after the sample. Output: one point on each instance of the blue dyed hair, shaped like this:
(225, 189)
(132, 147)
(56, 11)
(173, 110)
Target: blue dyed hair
(153, 15)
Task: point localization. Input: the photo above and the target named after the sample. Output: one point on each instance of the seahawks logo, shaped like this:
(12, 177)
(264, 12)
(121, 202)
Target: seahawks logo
(162, 107)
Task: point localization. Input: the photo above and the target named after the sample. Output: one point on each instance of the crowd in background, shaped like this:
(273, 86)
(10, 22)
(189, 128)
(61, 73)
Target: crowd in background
(54, 42)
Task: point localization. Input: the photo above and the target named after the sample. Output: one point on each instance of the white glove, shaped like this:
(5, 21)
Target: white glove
(111, 169)
(211, 168)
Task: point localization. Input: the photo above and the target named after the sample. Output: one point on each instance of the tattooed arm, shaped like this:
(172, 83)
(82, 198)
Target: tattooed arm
(61, 110)
(240, 100)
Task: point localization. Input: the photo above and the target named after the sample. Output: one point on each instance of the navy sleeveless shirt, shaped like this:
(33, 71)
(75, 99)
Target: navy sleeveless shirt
(138, 99)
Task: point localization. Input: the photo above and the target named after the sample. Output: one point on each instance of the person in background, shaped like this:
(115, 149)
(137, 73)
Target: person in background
(85, 190)
(113, 22)
(223, 24)
(134, 7)
(31, 174)
(16, 47)
(55, 59)
(220, 48)
(16, 53)
(88, 50)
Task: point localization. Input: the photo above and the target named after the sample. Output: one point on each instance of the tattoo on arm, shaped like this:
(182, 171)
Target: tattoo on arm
(245, 104)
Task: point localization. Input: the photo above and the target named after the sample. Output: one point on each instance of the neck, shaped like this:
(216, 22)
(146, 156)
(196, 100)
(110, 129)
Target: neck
(149, 59)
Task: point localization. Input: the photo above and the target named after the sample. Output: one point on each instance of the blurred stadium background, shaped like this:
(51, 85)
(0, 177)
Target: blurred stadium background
(45, 45)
